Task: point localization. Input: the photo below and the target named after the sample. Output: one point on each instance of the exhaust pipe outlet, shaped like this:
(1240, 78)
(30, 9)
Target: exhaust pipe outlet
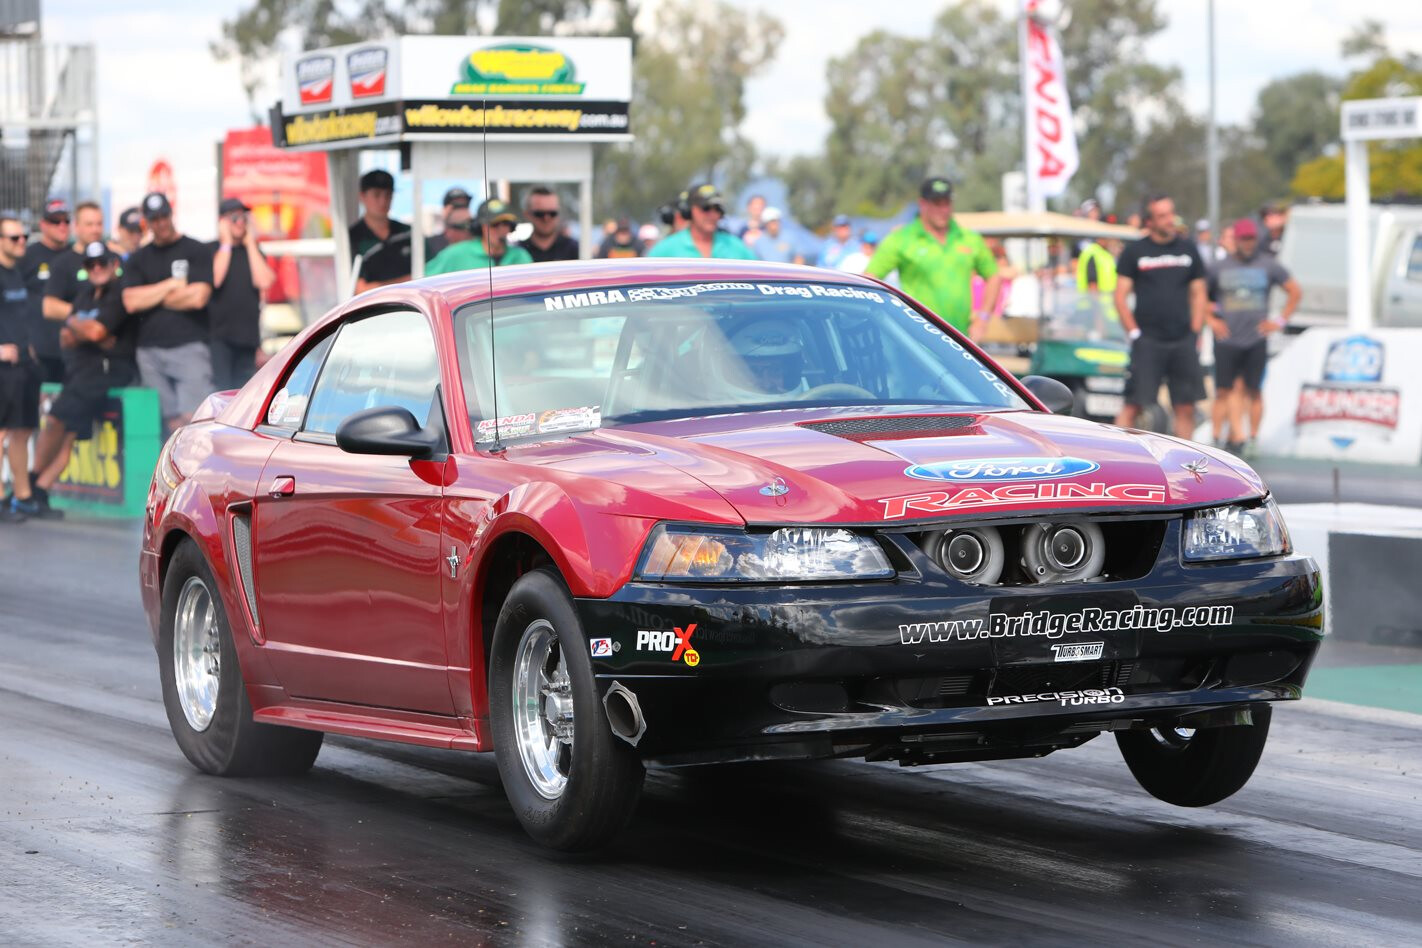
(624, 714)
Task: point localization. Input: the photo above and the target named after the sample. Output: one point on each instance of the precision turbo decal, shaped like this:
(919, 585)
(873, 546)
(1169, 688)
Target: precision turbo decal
(1011, 495)
(1066, 698)
(1054, 625)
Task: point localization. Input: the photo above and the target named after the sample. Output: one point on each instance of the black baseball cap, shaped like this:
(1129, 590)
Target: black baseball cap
(96, 252)
(494, 211)
(54, 209)
(131, 220)
(377, 179)
(936, 188)
(706, 196)
(457, 197)
(155, 206)
(231, 206)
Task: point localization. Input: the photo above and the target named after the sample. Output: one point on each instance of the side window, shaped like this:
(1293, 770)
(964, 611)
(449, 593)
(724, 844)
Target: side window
(288, 405)
(387, 360)
(1414, 262)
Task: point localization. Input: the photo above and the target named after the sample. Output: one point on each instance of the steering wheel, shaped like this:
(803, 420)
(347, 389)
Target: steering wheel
(835, 390)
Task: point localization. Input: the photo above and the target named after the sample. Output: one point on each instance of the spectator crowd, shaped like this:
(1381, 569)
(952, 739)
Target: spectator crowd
(149, 305)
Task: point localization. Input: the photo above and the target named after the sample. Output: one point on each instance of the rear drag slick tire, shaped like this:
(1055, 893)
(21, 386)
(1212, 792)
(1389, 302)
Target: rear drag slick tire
(203, 691)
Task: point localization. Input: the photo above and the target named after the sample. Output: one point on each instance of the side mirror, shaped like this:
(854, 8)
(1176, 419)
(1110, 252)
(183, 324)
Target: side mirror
(1057, 398)
(386, 430)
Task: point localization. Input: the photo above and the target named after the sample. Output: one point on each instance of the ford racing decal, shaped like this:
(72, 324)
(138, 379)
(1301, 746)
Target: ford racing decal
(1002, 469)
(1020, 495)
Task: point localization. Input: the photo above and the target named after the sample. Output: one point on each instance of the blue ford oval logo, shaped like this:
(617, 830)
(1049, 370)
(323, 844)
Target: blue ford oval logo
(1002, 469)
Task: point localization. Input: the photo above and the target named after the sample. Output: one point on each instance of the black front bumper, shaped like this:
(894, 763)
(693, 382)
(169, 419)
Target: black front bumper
(850, 670)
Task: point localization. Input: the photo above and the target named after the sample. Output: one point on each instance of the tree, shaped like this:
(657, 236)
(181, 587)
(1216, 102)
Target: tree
(1394, 167)
(1296, 117)
(688, 92)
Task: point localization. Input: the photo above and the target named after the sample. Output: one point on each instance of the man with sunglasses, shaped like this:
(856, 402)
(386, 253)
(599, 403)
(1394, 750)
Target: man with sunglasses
(704, 237)
(494, 222)
(100, 337)
(548, 241)
(240, 275)
(455, 210)
(36, 266)
(19, 374)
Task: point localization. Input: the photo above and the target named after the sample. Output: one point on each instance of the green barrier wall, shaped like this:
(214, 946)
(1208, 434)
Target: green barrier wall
(108, 474)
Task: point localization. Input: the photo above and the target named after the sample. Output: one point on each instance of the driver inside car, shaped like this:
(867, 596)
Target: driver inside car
(774, 357)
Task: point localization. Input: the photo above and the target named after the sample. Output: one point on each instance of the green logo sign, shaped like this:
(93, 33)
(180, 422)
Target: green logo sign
(517, 70)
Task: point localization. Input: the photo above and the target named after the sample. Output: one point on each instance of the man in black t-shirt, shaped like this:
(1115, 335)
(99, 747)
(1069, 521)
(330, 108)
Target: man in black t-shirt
(39, 257)
(99, 336)
(240, 275)
(67, 271)
(19, 373)
(168, 284)
(456, 224)
(1168, 277)
(382, 243)
(548, 241)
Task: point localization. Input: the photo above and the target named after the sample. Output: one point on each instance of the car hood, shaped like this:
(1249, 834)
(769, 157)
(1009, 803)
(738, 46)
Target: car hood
(875, 466)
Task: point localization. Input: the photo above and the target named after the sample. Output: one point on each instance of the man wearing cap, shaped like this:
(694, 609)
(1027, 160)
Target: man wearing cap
(1239, 288)
(19, 374)
(382, 243)
(129, 235)
(240, 275)
(168, 286)
(36, 266)
(773, 245)
(703, 236)
(856, 262)
(68, 271)
(456, 199)
(839, 243)
(621, 244)
(99, 336)
(548, 242)
(492, 248)
(936, 258)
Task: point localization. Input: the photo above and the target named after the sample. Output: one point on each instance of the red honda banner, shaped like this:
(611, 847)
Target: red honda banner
(1051, 140)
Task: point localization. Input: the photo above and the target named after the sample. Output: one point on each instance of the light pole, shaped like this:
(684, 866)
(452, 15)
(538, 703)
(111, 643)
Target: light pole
(1212, 141)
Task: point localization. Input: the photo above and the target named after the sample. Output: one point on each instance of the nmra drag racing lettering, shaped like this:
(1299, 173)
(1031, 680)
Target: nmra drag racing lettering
(1066, 698)
(677, 641)
(1020, 495)
(1054, 625)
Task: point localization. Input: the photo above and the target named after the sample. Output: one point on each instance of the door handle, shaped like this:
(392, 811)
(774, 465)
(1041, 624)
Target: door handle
(283, 486)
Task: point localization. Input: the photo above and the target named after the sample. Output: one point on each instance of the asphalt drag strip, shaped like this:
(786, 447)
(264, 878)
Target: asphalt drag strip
(107, 835)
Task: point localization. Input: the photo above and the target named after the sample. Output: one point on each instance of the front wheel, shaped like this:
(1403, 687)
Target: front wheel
(1189, 767)
(203, 692)
(573, 784)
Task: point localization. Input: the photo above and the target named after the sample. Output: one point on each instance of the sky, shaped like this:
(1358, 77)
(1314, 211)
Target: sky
(163, 95)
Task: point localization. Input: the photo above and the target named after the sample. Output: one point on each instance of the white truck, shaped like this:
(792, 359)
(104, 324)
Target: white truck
(1315, 251)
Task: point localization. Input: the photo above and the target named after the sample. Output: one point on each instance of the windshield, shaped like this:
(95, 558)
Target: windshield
(574, 361)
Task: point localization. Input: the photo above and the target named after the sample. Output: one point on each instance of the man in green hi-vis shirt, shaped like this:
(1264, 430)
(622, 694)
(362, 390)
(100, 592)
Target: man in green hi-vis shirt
(495, 220)
(936, 260)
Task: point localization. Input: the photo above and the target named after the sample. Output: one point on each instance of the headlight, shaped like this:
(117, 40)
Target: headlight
(792, 554)
(1234, 533)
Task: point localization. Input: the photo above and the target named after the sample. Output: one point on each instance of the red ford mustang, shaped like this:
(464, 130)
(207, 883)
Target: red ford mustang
(596, 517)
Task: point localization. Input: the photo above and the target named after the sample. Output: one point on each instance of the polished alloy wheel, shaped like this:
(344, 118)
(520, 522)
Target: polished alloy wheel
(197, 653)
(543, 710)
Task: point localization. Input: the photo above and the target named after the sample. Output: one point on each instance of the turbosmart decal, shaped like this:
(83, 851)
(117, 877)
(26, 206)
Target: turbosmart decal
(1002, 469)
(1020, 495)
(1054, 625)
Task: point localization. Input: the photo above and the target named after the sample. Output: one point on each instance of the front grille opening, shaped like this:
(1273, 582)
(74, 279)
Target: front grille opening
(1131, 550)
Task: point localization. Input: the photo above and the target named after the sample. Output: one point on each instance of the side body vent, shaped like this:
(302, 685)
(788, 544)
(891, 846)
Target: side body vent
(242, 545)
(920, 426)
